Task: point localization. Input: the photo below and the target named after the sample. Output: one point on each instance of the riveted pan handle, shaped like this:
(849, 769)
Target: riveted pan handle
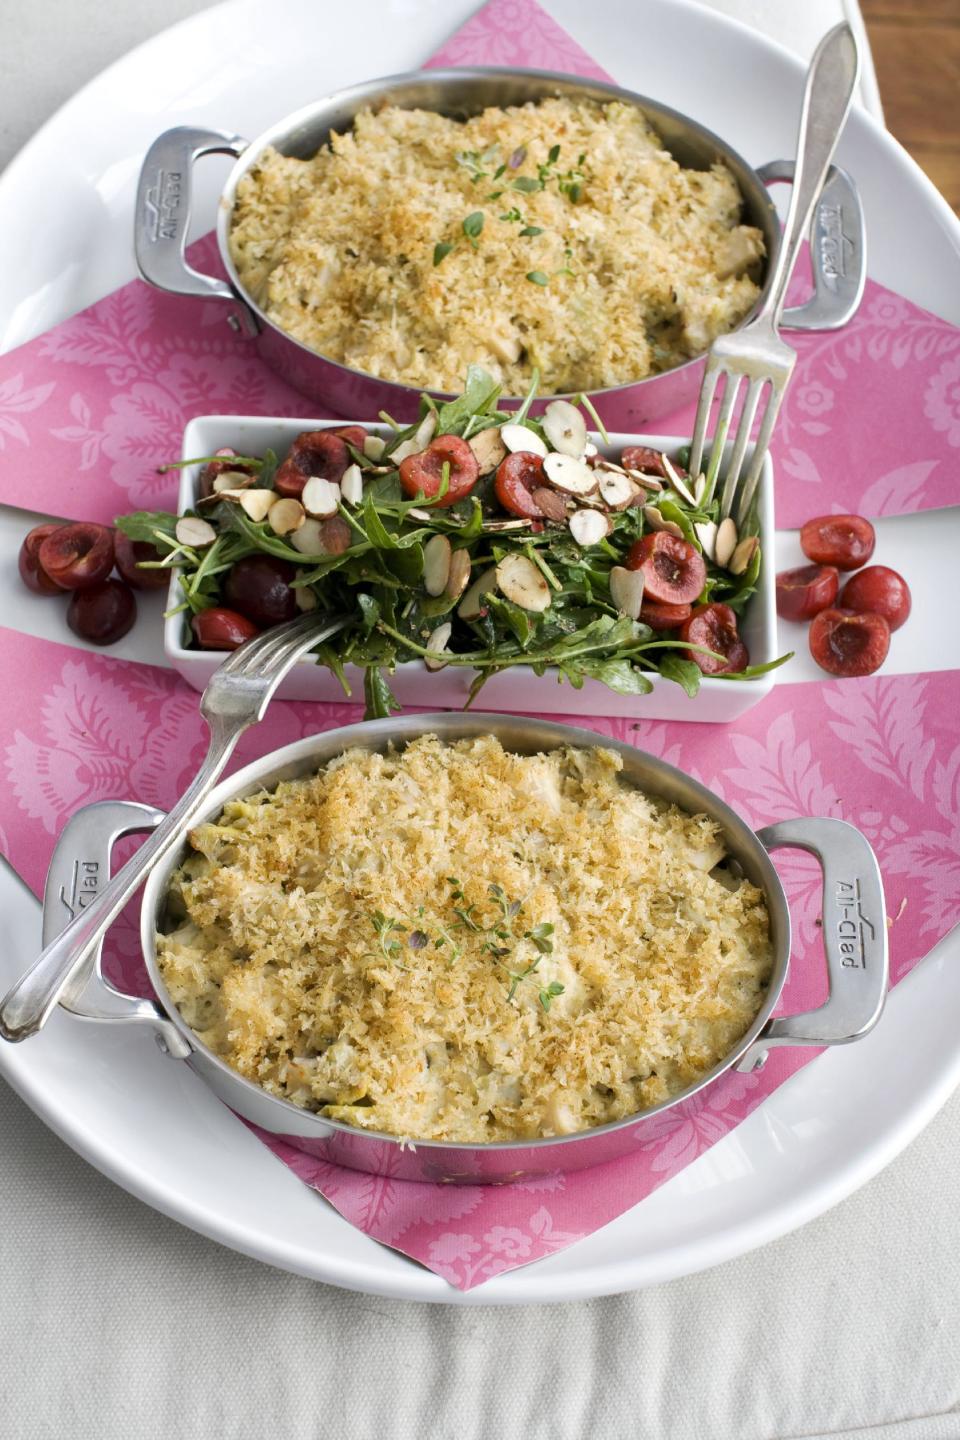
(854, 939)
(838, 251)
(162, 215)
(79, 868)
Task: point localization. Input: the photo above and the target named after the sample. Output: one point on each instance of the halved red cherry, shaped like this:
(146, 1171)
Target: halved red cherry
(102, 613)
(878, 591)
(647, 460)
(660, 616)
(517, 478)
(315, 452)
(805, 591)
(845, 541)
(32, 572)
(422, 474)
(77, 556)
(673, 570)
(213, 468)
(845, 643)
(128, 555)
(220, 629)
(715, 627)
(260, 587)
(353, 434)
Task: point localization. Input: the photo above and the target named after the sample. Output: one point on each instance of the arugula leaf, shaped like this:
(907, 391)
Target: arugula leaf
(750, 672)
(146, 524)
(370, 610)
(380, 701)
(479, 393)
(406, 563)
(618, 675)
(326, 655)
(684, 672)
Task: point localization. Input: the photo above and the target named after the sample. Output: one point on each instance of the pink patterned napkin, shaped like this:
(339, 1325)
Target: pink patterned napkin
(101, 400)
(881, 753)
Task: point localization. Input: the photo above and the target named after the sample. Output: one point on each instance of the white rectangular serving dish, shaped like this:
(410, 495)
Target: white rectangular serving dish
(517, 689)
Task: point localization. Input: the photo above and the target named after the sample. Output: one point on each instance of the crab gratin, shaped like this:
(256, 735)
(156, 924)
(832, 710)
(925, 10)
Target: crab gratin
(455, 942)
(559, 235)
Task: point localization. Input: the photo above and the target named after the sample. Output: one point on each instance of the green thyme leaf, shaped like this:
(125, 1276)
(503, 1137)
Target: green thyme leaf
(537, 277)
(441, 251)
(473, 224)
(531, 230)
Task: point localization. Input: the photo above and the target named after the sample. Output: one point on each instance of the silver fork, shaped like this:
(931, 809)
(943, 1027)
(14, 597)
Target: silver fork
(236, 698)
(756, 353)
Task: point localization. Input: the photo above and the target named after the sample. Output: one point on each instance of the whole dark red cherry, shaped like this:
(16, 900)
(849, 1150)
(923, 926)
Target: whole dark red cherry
(260, 587)
(102, 613)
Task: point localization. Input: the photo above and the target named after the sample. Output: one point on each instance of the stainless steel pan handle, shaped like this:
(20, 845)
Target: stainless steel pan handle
(79, 868)
(838, 251)
(854, 939)
(162, 215)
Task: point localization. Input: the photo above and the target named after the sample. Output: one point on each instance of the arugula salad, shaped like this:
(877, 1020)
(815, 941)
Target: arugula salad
(474, 537)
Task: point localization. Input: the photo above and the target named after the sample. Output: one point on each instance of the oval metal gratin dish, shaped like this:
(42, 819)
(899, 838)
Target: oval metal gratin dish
(162, 218)
(854, 933)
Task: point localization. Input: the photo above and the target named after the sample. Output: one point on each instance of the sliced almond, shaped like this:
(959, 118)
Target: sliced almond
(437, 644)
(519, 438)
(565, 428)
(589, 527)
(351, 485)
(233, 480)
(656, 522)
(677, 481)
(305, 597)
(374, 446)
(744, 553)
(286, 516)
(195, 533)
(335, 535)
(700, 489)
(649, 482)
(419, 440)
(626, 590)
(459, 574)
(472, 603)
(320, 498)
(589, 450)
(617, 491)
(437, 555)
(497, 527)
(551, 503)
(309, 538)
(570, 475)
(520, 581)
(707, 535)
(488, 449)
(725, 543)
(258, 503)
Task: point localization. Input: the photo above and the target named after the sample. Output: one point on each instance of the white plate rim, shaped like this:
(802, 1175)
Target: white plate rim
(505, 1289)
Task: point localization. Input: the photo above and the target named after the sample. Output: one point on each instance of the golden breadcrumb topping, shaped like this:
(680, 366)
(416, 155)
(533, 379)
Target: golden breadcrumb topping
(610, 262)
(455, 942)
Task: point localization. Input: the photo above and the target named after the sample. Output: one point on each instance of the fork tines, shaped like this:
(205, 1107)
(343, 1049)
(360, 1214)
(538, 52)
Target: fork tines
(763, 364)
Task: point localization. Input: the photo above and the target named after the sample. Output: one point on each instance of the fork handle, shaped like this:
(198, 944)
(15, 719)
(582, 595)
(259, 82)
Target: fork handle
(831, 81)
(26, 1006)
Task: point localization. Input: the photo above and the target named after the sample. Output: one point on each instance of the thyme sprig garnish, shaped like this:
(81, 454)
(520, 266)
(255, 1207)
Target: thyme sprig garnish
(499, 942)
